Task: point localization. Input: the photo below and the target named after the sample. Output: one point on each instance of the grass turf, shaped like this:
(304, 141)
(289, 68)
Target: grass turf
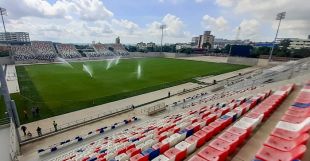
(58, 89)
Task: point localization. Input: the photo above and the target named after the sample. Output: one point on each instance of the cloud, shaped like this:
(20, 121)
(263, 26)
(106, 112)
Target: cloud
(89, 10)
(126, 25)
(174, 27)
(85, 20)
(295, 24)
(224, 3)
(250, 29)
(216, 24)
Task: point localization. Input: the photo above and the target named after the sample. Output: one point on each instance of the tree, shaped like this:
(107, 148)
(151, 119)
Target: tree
(264, 50)
(186, 50)
(150, 49)
(226, 49)
(206, 45)
(285, 43)
(217, 50)
(131, 48)
(300, 53)
(111, 49)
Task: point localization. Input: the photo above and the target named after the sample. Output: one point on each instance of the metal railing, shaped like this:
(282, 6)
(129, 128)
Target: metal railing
(278, 73)
(4, 121)
(76, 123)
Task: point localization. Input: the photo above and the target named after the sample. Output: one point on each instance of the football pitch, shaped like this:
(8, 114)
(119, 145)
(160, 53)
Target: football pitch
(59, 88)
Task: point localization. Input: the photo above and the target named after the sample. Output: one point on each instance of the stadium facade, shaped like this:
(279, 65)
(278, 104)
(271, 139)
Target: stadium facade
(15, 37)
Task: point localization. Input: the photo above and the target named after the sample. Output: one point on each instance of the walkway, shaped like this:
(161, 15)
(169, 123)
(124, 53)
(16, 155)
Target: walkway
(5, 144)
(11, 79)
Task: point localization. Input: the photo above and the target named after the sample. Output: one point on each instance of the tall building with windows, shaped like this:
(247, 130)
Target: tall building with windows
(299, 43)
(151, 45)
(14, 37)
(207, 38)
(195, 41)
(203, 41)
(141, 46)
(117, 40)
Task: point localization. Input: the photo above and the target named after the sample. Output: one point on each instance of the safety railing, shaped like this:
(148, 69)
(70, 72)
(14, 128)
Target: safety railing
(73, 124)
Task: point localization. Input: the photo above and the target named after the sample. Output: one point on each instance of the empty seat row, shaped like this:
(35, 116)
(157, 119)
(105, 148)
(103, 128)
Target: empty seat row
(228, 141)
(77, 139)
(287, 140)
(143, 139)
(196, 135)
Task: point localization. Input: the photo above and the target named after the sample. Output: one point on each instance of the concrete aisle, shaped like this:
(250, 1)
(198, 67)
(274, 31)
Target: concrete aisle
(5, 144)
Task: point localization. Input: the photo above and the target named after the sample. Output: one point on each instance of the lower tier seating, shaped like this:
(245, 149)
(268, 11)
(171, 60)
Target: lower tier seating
(288, 139)
(177, 136)
(153, 137)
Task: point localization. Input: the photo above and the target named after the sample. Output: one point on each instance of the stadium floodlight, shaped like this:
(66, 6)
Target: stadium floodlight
(10, 104)
(2, 13)
(162, 27)
(280, 17)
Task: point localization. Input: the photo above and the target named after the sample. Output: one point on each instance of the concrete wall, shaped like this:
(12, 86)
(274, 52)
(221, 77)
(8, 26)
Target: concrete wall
(170, 55)
(6, 60)
(242, 60)
(263, 62)
(148, 54)
(164, 54)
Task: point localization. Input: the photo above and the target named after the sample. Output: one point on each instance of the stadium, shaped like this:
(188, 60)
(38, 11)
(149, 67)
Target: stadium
(104, 102)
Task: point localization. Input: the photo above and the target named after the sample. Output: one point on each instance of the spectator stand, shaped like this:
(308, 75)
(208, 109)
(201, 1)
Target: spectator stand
(68, 51)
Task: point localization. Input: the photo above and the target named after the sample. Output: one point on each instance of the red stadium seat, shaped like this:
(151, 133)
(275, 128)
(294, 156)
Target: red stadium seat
(221, 145)
(197, 158)
(201, 135)
(139, 157)
(285, 134)
(175, 155)
(218, 126)
(133, 151)
(242, 133)
(270, 154)
(293, 119)
(161, 146)
(192, 140)
(209, 132)
(296, 113)
(286, 145)
(210, 118)
(231, 138)
(210, 153)
(183, 145)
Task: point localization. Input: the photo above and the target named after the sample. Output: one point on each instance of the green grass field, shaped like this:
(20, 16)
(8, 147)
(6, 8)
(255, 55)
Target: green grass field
(58, 89)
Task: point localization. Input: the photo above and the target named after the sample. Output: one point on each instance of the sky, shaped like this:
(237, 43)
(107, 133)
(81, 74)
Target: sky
(84, 21)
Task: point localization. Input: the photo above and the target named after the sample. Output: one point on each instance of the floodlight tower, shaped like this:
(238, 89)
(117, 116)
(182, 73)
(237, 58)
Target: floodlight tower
(10, 104)
(280, 17)
(2, 13)
(162, 27)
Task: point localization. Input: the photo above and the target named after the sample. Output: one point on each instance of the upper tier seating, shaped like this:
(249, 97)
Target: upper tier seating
(68, 51)
(44, 50)
(120, 50)
(23, 53)
(102, 50)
